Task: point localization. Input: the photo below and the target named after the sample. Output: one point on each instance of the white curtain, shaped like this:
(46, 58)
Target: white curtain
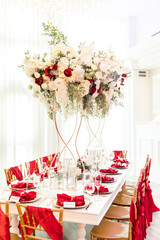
(26, 133)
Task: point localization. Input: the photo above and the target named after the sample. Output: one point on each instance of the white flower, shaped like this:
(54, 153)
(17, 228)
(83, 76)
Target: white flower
(44, 86)
(48, 62)
(36, 88)
(79, 72)
(59, 48)
(37, 75)
(94, 67)
(58, 83)
(98, 75)
(87, 60)
(51, 85)
(64, 62)
(87, 50)
(70, 49)
(45, 78)
(104, 67)
(96, 60)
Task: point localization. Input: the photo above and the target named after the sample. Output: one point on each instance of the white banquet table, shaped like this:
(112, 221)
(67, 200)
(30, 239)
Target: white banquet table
(92, 216)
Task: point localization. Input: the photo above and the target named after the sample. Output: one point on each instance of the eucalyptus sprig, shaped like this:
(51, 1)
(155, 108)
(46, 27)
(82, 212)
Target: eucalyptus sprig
(54, 33)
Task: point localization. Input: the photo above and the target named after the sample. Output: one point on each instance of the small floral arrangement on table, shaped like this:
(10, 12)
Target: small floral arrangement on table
(75, 80)
(83, 165)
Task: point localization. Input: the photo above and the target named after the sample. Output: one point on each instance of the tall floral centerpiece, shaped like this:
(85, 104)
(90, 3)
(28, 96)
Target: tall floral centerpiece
(75, 81)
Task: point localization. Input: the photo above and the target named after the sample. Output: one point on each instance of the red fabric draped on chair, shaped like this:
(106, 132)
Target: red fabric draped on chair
(4, 228)
(12, 174)
(33, 166)
(44, 217)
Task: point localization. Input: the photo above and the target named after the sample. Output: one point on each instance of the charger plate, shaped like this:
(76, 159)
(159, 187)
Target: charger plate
(87, 201)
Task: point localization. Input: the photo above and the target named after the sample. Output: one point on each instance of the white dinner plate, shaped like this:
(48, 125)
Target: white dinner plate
(87, 201)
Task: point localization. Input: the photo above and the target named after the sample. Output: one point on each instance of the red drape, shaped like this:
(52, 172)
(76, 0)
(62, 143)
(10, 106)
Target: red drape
(4, 226)
(47, 220)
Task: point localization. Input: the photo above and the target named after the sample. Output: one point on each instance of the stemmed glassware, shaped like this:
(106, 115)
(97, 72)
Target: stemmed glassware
(90, 188)
(27, 175)
(98, 181)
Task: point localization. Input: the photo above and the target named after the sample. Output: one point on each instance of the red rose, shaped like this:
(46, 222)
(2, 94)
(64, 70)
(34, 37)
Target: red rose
(91, 80)
(68, 72)
(47, 72)
(122, 80)
(99, 90)
(124, 75)
(55, 66)
(93, 89)
(39, 80)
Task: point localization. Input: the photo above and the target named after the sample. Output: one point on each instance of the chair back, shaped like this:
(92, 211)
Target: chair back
(10, 176)
(50, 160)
(29, 223)
(46, 159)
(32, 166)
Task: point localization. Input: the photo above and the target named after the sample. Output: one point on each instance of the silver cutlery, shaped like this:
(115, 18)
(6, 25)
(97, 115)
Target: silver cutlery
(87, 206)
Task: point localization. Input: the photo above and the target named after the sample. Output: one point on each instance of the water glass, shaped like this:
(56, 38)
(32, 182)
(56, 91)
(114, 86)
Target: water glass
(37, 180)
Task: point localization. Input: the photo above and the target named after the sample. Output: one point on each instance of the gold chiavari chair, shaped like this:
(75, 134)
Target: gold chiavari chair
(23, 209)
(33, 163)
(10, 177)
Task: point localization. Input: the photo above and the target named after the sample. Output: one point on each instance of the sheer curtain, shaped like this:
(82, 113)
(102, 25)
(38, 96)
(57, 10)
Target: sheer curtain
(25, 129)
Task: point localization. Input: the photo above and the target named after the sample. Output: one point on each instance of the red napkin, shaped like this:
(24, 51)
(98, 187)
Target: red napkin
(101, 189)
(61, 198)
(46, 219)
(118, 154)
(33, 167)
(24, 196)
(4, 229)
(22, 185)
(118, 165)
(104, 178)
(121, 161)
(14, 171)
(109, 170)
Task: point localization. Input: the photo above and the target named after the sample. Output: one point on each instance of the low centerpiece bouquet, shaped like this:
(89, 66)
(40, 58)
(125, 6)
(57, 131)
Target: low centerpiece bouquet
(70, 80)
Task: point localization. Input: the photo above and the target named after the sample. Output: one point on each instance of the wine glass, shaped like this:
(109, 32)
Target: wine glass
(90, 188)
(37, 180)
(98, 181)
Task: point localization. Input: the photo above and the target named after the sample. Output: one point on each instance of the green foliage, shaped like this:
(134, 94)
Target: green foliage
(55, 35)
(102, 104)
